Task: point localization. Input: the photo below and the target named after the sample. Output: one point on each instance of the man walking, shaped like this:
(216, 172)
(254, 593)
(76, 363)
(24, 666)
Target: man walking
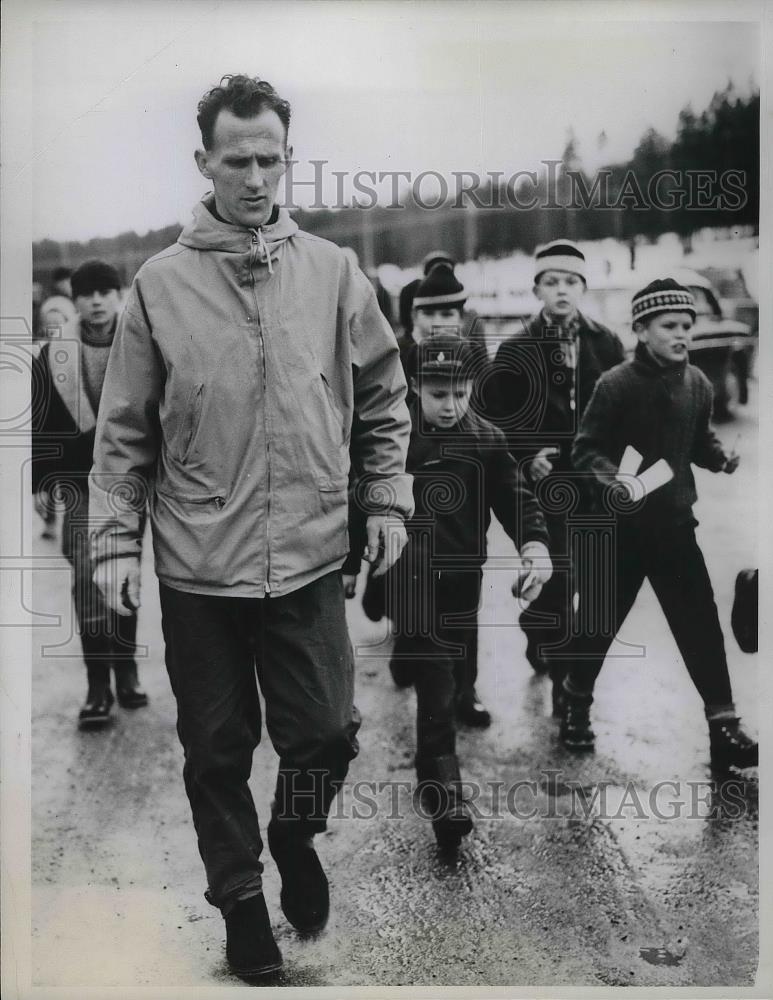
(244, 353)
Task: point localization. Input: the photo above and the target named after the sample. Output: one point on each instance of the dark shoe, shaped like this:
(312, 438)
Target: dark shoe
(576, 733)
(95, 714)
(127, 686)
(250, 946)
(402, 673)
(471, 711)
(442, 798)
(538, 663)
(305, 895)
(730, 746)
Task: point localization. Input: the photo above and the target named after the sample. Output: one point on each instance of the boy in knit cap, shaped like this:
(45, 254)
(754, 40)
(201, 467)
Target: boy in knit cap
(462, 471)
(68, 376)
(541, 381)
(659, 405)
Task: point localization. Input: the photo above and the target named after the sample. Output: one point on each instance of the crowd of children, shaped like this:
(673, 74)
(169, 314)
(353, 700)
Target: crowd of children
(557, 405)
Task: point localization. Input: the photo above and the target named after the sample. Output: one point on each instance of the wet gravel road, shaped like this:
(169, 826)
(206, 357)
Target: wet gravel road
(539, 895)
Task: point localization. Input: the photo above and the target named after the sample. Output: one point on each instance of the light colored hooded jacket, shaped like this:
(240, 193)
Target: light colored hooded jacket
(241, 358)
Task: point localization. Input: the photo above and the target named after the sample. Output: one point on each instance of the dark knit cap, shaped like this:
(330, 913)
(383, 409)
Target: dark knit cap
(94, 276)
(441, 287)
(437, 257)
(662, 296)
(560, 255)
(444, 355)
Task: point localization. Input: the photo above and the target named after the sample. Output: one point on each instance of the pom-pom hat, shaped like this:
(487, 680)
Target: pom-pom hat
(437, 257)
(440, 288)
(560, 255)
(662, 296)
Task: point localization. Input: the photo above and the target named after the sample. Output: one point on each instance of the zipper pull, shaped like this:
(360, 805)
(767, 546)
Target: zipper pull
(268, 588)
(219, 502)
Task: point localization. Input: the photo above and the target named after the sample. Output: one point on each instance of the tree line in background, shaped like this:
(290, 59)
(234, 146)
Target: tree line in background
(709, 175)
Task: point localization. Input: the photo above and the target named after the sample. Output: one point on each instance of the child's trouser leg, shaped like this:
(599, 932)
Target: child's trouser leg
(605, 601)
(437, 766)
(681, 583)
(435, 722)
(684, 590)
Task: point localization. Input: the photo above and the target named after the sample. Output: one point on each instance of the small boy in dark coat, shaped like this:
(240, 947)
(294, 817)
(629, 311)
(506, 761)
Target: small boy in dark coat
(462, 471)
(660, 405)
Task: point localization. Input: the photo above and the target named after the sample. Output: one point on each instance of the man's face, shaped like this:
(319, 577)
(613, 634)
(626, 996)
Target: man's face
(444, 401)
(667, 336)
(99, 308)
(245, 165)
(560, 291)
(428, 321)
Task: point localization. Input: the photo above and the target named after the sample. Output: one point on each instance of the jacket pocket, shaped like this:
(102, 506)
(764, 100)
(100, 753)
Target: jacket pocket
(192, 421)
(216, 501)
(334, 407)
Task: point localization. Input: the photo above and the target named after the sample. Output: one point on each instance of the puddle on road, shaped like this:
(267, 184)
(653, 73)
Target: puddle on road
(660, 956)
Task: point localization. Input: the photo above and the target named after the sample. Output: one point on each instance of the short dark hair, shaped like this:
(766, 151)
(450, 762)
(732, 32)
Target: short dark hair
(245, 96)
(60, 273)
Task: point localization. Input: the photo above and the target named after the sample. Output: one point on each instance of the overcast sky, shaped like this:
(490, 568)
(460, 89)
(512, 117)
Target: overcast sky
(394, 86)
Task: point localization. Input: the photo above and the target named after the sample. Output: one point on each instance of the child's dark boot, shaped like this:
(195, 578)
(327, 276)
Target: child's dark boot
(576, 732)
(443, 799)
(730, 746)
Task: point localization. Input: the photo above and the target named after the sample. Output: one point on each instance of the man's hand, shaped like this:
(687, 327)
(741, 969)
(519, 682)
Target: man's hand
(386, 540)
(119, 581)
(350, 584)
(731, 464)
(541, 464)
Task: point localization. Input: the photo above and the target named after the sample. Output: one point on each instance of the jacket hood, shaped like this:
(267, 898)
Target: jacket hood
(206, 232)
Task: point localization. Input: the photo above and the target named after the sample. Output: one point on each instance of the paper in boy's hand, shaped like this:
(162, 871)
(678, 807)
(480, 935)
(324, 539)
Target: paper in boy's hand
(656, 476)
(630, 462)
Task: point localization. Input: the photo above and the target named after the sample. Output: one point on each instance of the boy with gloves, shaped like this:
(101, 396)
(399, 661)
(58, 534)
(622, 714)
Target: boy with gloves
(462, 471)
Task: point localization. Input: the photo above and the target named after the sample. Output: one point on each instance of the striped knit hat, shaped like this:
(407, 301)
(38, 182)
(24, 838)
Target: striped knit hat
(441, 287)
(560, 255)
(662, 296)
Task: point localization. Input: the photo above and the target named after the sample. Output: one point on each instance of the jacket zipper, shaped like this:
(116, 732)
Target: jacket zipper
(253, 254)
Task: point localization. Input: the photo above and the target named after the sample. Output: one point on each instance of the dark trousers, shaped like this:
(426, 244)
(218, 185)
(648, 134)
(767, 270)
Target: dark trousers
(670, 558)
(442, 646)
(108, 639)
(217, 651)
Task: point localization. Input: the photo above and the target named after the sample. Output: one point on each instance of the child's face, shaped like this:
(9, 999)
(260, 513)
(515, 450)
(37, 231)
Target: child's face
(560, 291)
(99, 307)
(444, 401)
(436, 319)
(667, 336)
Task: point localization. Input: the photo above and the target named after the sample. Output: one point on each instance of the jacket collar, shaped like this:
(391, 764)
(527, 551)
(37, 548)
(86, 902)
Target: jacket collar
(583, 323)
(646, 364)
(206, 232)
(64, 363)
